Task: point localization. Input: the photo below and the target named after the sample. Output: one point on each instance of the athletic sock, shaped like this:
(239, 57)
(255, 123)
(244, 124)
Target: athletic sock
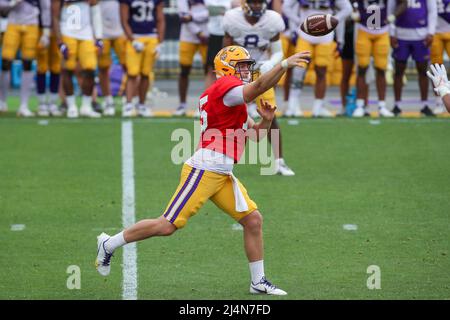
(424, 103)
(318, 104)
(40, 85)
(381, 104)
(183, 105)
(108, 101)
(42, 98)
(5, 78)
(86, 101)
(256, 271)
(25, 88)
(360, 103)
(52, 98)
(115, 242)
(71, 102)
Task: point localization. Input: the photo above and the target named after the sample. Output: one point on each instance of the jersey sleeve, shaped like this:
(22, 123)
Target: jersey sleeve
(277, 23)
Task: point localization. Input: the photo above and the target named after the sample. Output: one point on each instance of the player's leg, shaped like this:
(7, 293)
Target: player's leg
(364, 49)
(87, 56)
(55, 72)
(195, 188)
(146, 72)
(187, 52)
(133, 65)
(68, 70)
(10, 45)
(104, 63)
(298, 76)
(437, 53)
(42, 58)
(324, 53)
(381, 52)
(251, 220)
(421, 55)
(400, 55)
(29, 43)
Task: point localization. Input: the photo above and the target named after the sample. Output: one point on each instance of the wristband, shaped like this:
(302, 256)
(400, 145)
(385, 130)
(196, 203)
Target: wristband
(284, 64)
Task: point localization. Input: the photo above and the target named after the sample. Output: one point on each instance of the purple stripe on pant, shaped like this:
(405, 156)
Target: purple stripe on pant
(188, 196)
(180, 192)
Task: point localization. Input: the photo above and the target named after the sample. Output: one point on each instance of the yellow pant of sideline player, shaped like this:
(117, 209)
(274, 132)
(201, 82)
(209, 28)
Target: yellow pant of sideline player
(83, 51)
(141, 62)
(25, 37)
(196, 187)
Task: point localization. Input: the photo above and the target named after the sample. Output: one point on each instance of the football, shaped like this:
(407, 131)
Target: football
(319, 24)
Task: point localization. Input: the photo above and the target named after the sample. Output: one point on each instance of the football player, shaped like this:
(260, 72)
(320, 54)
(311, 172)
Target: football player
(208, 174)
(438, 74)
(22, 32)
(258, 30)
(322, 49)
(144, 25)
(193, 38)
(412, 35)
(372, 40)
(48, 59)
(441, 42)
(113, 37)
(77, 25)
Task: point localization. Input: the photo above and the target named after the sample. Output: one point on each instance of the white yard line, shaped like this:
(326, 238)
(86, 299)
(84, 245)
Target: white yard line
(129, 286)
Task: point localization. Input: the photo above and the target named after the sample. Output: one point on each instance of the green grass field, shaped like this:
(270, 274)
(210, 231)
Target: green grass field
(62, 180)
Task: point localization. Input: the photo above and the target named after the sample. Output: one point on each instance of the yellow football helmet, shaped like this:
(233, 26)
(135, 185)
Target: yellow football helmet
(252, 12)
(229, 60)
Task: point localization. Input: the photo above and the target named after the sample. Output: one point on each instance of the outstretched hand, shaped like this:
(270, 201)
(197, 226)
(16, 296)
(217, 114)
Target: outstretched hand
(300, 59)
(266, 110)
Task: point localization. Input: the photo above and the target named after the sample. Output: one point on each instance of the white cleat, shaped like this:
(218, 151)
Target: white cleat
(72, 112)
(87, 111)
(283, 169)
(297, 113)
(43, 110)
(109, 111)
(25, 112)
(3, 107)
(265, 287)
(358, 113)
(54, 110)
(181, 111)
(145, 112)
(384, 112)
(128, 112)
(437, 110)
(103, 261)
(321, 112)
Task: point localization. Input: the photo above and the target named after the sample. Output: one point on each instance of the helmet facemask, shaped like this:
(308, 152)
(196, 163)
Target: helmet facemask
(244, 70)
(254, 12)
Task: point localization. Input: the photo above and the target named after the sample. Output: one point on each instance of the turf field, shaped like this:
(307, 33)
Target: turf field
(62, 179)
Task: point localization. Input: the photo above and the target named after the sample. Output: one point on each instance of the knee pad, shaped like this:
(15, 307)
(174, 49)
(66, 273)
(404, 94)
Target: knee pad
(27, 65)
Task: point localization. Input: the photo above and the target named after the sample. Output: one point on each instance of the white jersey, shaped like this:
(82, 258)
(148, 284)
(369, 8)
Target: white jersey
(215, 22)
(255, 38)
(199, 13)
(76, 21)
(112, 27)
(28, 13)
(442, 26)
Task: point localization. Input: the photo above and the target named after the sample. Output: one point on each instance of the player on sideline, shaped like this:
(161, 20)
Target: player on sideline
(322, 49)
(144, 25)
(412, 34)
(193, 37)
(441, 42)
(22, 32)
(438, 74)
(77, 25)
(113, 37)
(208, 173)
(258, 30)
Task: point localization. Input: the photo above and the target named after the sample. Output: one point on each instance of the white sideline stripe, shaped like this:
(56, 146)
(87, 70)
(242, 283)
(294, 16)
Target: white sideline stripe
(129, 286)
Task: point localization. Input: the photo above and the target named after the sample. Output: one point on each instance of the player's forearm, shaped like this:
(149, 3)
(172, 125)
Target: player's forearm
(56, 13)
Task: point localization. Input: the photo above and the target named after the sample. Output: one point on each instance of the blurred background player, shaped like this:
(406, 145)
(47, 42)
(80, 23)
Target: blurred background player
(216, 11)
(78, 29)
(412, 35)
(258, 30)
(372, 40)
(48, 59)
(22, 32)
(144, 25)
(193, 38)
(4, 9)
(441, 42)
(322, 49)
(113, 37)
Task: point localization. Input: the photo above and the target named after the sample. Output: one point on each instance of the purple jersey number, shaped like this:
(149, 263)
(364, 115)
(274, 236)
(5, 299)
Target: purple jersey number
(443, 7)
(142, 18)
(415, 15)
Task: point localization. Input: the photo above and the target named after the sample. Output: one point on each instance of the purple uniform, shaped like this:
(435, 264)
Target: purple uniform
(413, 19)
(316, 4)
(443, 7)
(365, 12)
(142, 17)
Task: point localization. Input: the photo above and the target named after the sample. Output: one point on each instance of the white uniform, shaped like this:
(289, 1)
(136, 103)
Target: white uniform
(255, 38)
(215, 22)
(112, 27)
(28, 13)
(199, 13)
(76, 21)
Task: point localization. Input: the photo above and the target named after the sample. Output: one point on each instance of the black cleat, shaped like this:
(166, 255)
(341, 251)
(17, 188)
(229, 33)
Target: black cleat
(426, 111)
(396, 111)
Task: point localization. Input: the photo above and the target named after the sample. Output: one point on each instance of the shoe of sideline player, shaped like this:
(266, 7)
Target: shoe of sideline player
(54, 110)
(266, 287)
(181, 111)
(384, 112)
(358, 113)
(72, 112)
(145, 112)
(321, 112)
(25, 112)
(87, 111)
(290, 112)
(103, 260)
(43, 110)
(128, 111)
(109, 110)
(283, 169)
